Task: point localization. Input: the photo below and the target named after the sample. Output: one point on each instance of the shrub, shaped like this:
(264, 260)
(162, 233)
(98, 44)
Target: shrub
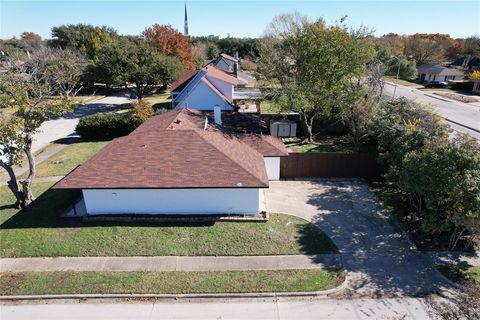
(143, 110)
(107, 125)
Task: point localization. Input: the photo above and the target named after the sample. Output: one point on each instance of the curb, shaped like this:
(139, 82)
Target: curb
(438, 98)
(4, 300)
(462, 125)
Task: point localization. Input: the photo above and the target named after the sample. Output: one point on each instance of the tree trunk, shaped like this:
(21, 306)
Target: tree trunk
(27, 183)
(12, 183)
(307, 128)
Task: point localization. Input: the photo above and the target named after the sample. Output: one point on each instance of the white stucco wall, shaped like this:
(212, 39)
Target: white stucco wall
(272, 164)
(203, 98)
(172, 201)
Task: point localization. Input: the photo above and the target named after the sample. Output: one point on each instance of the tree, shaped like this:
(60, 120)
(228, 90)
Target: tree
(408, 68)
(82, 37)
(212, 51)
(359, 102)
(310, 64)
(62, 67)
(444, 182)
(402, 126)
(426, 48)
(27, 89)
(170, 42)
(134, 61)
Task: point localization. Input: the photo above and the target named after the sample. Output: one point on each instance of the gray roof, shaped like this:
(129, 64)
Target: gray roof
(247, 94)
(438, 70)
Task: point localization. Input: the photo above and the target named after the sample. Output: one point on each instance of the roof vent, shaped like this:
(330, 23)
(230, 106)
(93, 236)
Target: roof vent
(217, 113)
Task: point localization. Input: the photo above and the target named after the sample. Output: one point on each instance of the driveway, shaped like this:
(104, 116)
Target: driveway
(64, 126)
(379, 258)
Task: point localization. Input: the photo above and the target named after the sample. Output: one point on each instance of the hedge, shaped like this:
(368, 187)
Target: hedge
(106, 125)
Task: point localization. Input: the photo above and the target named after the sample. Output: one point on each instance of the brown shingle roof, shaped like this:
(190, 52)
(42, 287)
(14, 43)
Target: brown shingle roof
(169, 151)
(182, 80)
(268, 146)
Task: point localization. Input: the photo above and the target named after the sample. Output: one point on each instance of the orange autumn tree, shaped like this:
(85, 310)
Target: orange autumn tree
(170, 42)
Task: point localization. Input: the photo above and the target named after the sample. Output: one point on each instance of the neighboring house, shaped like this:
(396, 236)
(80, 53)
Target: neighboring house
(438, 73)
(226, 63)
(468, 63)
(207, 88)
(179, 162)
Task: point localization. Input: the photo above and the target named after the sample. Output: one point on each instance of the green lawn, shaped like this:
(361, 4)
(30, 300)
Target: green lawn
(323, 143)
(168, 282)
(159, 101)
(67, 159)
(41, 232)
(402, 82)
(267, 107)
(460, 273)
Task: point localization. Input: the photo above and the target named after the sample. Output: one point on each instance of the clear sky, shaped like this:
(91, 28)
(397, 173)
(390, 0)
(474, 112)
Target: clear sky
(245, 18)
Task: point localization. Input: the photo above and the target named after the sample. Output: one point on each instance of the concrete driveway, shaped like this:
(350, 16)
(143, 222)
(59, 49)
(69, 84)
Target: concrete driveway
(379, 258)
(64, 126)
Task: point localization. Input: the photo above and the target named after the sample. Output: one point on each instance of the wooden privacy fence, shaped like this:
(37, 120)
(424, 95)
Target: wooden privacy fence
(330, 165)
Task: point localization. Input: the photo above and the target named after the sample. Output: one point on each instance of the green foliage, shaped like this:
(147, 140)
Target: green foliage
(445, 181)
(311, 64)
(134, 61)
(245, 47)
(212, 51)
(143, 110)
(84, 37)
(408, 68)
(107, 125)
(402, 126)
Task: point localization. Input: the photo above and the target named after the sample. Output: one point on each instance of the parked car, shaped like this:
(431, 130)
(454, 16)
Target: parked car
(436, 84)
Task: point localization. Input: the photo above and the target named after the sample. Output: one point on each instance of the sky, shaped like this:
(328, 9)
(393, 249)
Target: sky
(247, 18)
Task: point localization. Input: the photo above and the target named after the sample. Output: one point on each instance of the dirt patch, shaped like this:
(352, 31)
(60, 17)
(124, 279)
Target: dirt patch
(10, 281)
(457, 97)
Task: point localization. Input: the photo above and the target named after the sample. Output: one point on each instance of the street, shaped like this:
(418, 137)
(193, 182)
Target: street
(64, 126)
(404, 308)
(461, 117)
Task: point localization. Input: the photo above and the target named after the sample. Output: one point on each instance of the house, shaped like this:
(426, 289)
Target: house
(438, 73)
(204, 89)
(467, 63)
(226, 63)
(178, 162)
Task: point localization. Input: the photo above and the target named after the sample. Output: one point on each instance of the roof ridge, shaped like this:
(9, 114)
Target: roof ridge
(197, 131)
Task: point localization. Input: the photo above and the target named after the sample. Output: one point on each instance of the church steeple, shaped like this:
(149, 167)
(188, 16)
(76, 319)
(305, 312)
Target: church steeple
(185, 26)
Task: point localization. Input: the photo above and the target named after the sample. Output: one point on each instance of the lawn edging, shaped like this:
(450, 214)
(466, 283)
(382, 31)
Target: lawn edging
(325, 294)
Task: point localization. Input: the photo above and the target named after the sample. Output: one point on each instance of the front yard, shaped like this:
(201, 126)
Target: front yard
(41, 231)
(168, 282)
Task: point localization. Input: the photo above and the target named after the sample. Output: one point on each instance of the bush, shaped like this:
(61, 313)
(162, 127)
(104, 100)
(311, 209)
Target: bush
(107, 125)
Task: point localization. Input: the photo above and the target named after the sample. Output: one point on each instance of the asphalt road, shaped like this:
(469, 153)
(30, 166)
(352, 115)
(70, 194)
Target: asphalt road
(462, 117)
(62, 127)
(405, 308)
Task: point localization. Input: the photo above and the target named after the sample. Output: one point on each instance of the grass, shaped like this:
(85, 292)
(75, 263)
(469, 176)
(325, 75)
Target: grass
(323, 143)
(267, 107)
(402, 82)
(41, 231)
(160, 101)
(460, 273)
(87, 98)
(399, 205)
(67, 159)
(174, 282)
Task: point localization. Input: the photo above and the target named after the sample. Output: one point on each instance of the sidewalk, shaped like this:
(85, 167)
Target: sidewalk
(171, 263)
